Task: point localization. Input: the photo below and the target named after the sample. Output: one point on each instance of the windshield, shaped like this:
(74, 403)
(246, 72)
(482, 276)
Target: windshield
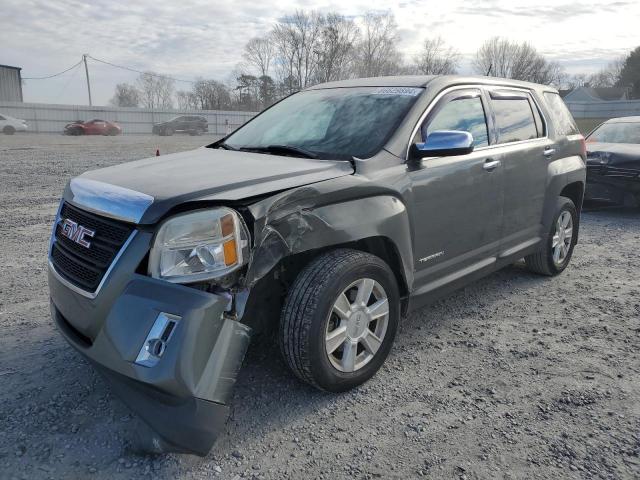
(334, 123)
(618, 132)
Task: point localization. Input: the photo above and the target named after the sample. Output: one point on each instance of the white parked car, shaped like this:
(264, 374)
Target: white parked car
(10, 125)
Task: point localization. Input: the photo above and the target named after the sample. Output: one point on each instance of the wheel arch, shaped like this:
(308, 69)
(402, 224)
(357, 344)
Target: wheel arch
(566, 177)
(575, 192)
(288, 236)
(266, 296)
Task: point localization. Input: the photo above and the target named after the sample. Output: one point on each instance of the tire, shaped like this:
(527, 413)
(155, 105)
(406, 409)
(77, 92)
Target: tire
(8, 130)
(113, 132)
(309, 317)
(544, 262)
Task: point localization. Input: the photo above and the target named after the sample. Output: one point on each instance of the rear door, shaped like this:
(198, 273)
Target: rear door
(457, 200)
(524, 151)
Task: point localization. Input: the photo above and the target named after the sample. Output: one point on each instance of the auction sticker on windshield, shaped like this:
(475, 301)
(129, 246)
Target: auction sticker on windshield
(407, 91)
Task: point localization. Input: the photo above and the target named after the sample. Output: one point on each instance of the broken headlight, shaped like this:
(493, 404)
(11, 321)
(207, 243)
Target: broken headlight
(198, 246)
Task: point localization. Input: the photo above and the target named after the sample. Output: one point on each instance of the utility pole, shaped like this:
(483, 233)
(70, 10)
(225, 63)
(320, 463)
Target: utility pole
(86, 71)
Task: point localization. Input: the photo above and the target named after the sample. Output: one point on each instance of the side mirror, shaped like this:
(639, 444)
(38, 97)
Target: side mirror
(443, 143)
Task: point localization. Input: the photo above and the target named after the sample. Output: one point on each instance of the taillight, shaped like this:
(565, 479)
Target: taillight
(583, 146)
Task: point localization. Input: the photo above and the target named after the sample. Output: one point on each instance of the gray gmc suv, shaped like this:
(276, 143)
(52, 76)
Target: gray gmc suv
(325, 219)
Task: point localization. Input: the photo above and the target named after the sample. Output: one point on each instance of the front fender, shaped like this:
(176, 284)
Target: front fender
(304, 227)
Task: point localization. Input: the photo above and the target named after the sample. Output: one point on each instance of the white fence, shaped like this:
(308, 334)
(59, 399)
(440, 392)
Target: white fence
(609, 109)
(51, 118)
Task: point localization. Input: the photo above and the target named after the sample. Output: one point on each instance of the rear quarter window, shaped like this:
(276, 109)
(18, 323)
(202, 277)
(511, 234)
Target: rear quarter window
(561, 116)
(514, 119)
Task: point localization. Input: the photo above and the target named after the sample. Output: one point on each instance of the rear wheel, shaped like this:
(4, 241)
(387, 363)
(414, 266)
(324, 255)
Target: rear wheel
(340, 319)
(556, 253)
(8, 130)
(168, 131)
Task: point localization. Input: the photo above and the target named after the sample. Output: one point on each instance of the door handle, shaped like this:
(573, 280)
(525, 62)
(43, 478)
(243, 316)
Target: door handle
(548, 151)
(490, 165)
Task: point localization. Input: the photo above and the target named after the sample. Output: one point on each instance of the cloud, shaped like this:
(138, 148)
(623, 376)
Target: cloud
(204, 38)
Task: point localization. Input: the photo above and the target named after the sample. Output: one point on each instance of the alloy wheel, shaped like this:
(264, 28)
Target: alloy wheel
(562, 237)
(357, 325)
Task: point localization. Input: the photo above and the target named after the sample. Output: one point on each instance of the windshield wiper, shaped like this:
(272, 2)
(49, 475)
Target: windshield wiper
(275, 149)
(225, 146)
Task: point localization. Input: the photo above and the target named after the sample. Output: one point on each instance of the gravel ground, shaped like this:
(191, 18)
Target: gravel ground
(516, 376)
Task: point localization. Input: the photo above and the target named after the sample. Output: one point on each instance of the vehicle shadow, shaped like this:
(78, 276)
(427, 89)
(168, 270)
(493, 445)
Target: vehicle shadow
(614, 211)
(269, 398)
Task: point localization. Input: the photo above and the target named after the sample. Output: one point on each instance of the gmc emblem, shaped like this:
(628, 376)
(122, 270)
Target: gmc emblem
(76, 233)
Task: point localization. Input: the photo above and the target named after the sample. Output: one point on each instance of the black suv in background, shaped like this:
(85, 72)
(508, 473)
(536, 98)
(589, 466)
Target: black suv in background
(191, 124)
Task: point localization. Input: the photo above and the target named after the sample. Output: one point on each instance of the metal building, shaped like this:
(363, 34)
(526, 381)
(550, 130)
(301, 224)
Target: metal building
(10, 84)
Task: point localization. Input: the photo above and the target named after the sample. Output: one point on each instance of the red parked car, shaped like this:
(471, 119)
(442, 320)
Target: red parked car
(92, 127)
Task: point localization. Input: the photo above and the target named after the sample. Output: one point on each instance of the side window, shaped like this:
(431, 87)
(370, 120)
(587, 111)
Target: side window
(514, 118)
(562, 118)
(465, 114)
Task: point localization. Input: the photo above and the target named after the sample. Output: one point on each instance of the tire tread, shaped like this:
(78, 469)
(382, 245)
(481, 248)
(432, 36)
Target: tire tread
(302, 301)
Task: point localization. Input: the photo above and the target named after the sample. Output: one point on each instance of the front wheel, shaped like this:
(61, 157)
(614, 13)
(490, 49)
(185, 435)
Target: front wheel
(9, 130)
(556, 252)
(340, 319)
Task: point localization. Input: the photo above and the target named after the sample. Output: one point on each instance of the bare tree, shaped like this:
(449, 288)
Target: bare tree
(436, 58)
(126, 95)
(338, 36)
(259, 53)
(574, 81)
(297, 38)
(376, 52)
(156, 91)
(500, 57)
(211, 95)
(608, 76)
(186, 100)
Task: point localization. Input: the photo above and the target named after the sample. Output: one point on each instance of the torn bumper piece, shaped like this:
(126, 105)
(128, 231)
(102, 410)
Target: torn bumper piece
(183, 395)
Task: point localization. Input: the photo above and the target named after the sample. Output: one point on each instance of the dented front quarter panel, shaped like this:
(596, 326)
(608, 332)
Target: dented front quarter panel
(325, 214)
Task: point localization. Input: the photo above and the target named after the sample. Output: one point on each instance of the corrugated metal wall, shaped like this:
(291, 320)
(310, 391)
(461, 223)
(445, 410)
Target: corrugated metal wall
(615, 108)
(50, 118)
(10, 86)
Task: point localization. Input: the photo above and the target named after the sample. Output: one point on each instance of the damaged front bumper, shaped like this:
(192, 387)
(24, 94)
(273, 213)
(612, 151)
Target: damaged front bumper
(612, 185)
(179, 383)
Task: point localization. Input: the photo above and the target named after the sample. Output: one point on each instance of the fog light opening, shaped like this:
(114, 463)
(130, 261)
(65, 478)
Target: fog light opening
(157, 340)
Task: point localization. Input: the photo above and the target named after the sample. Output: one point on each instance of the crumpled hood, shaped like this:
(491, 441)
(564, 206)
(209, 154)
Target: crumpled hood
(624, 155)
(202, 174)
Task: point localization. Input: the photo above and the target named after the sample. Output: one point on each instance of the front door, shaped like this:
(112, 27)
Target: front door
(457, 200)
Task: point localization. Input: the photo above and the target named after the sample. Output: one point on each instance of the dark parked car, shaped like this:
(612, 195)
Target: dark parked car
(327, 218)
(191, 124)
(92, 127)
(613, 162)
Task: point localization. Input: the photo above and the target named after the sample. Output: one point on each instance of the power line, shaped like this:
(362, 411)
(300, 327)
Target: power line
(140, 71)
(55, 74)
(73, 75)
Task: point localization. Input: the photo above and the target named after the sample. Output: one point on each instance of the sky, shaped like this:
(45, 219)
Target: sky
(204, 38)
